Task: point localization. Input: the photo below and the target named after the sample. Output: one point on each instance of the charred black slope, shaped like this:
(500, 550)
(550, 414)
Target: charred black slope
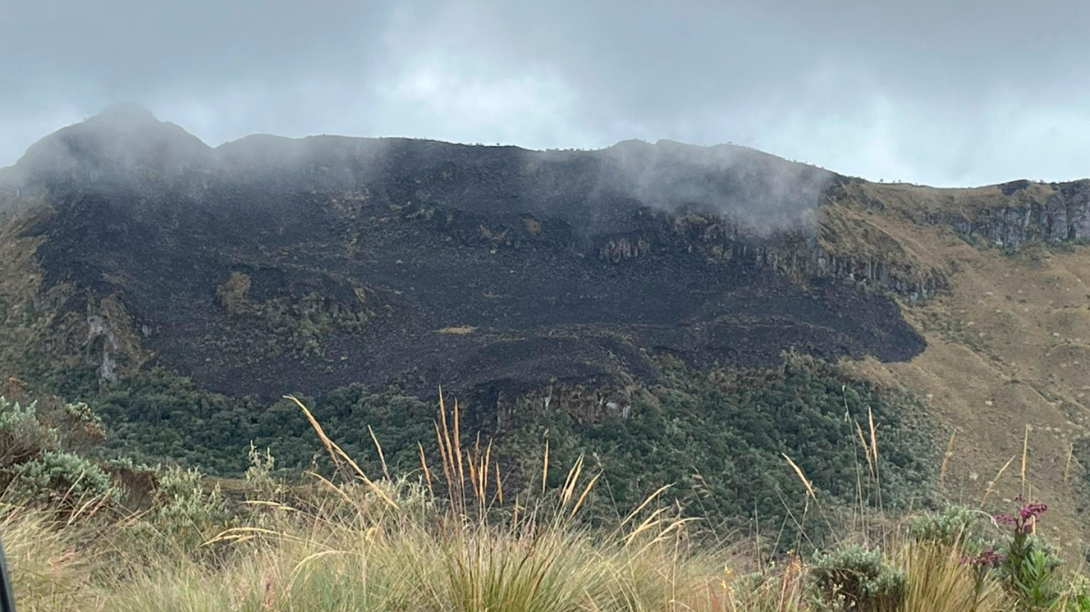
(271, 265)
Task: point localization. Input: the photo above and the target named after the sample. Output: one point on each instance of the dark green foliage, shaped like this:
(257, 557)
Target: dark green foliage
(159, 416)
(156, 415)
(399, 424)
(719, 439)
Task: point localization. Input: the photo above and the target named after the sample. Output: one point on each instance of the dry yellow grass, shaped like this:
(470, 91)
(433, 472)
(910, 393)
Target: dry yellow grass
(1008, 350)
(392, 545)
(937, 579)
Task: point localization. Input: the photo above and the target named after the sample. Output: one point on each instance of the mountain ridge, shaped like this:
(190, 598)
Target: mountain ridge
(572, 277)
(725, 214)
(588, 229)
(119, 118)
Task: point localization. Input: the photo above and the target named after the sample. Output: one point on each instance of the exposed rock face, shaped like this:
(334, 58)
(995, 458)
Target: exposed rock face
(97, 328)
(272, 265)
(819, 263)
(1064, 216)
(1006, 215)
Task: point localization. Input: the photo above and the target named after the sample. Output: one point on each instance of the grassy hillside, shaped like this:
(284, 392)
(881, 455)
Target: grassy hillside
(1008, 343)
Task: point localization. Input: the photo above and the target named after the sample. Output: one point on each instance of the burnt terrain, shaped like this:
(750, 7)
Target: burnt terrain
(272, 265)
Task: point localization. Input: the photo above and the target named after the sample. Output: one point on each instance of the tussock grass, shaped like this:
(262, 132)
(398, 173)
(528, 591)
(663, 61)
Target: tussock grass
(937, 579)
(47, 561)
(448, 538)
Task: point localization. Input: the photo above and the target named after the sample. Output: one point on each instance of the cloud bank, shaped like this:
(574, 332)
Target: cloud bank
(937, 92)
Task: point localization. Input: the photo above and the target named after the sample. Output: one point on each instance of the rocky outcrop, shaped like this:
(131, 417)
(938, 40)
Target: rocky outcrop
(800, 256)
(816, 262)
(1063, 217)
(1007, 215)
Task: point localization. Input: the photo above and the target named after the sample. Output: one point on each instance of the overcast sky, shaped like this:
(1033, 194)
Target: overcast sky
(945, 92)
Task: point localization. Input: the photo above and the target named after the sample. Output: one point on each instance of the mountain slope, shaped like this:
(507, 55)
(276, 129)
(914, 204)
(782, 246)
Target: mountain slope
(270, 265)
(273, 265)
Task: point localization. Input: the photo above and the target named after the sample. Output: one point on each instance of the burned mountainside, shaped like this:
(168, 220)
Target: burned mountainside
(272, 265)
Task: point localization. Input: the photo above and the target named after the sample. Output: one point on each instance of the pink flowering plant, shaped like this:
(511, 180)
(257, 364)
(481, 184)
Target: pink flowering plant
(1028, 565)
(982, 564)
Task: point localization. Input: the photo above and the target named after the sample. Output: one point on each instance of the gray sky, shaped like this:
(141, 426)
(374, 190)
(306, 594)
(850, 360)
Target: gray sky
(945, 92)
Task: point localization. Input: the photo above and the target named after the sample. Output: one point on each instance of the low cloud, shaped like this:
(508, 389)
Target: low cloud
(931, 91)
(759, 193)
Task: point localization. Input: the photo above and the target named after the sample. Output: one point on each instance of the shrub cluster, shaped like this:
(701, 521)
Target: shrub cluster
(39, 461)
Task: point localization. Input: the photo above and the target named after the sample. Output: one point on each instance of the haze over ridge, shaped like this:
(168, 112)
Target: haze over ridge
(931, 92)
(126, 148)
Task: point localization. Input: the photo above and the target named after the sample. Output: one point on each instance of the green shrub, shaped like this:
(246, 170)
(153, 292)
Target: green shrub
(853, 578)
(234, 293)
(80, 426)
(59, 479)
(259, 476)
(953, 525)
(1030, 565)
(26, 431)
(22, 435)
(41, 453)
(184, 505)
(1035, 579)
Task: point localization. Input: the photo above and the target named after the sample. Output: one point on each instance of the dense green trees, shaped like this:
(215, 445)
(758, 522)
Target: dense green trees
(718, 437)
(158, 416)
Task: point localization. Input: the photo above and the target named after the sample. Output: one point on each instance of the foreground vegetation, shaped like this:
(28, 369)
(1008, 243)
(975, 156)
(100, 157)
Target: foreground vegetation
(458, 534)
(390, 548)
